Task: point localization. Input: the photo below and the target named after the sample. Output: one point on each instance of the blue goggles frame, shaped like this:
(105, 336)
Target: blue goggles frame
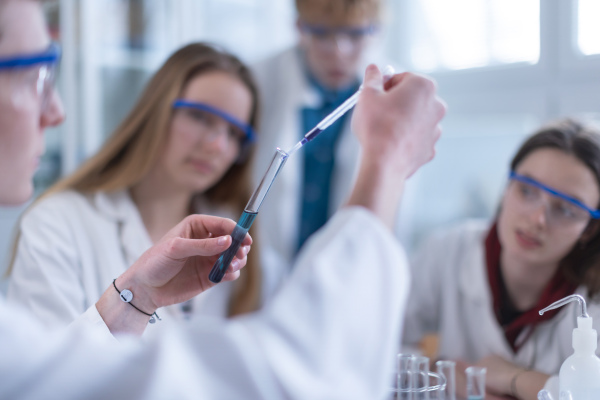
(595, 214)
(246, 128)
(352, 31)
(49, 56)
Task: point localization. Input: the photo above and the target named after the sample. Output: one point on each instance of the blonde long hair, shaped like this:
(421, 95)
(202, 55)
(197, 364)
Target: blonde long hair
(135, 146)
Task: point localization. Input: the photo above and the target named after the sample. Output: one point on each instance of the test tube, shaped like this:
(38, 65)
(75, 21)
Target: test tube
(406, 369)
(421, 378)
(447, 369)
(475, 383)
(248, 216)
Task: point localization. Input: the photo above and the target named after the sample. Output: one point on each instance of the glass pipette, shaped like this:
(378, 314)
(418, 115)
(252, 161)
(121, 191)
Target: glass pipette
(336, 114)
(279, 159)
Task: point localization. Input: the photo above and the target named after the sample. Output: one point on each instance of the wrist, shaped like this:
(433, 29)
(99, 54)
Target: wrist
(142, 298)
(378, 188)
(514, 389)
(119, 316)
(385, 167)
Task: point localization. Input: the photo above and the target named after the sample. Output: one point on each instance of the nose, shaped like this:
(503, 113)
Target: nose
(343, 44)
(53, 113)
(539, 215)
(217, 139)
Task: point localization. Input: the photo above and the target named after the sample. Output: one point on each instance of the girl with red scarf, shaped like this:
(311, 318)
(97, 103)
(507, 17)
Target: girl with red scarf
(479, 286)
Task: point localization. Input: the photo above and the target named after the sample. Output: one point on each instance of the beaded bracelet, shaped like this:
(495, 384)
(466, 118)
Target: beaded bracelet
(126, 295)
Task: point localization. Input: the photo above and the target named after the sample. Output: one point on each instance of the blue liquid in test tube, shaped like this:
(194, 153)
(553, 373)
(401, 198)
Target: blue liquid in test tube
(248, 216)
(237, 237)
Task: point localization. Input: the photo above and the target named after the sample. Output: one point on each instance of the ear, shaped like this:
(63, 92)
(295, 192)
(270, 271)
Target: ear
(589, 232)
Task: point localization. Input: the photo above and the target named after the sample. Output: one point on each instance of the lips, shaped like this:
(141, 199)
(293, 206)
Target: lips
(202, 166)
(527, 241)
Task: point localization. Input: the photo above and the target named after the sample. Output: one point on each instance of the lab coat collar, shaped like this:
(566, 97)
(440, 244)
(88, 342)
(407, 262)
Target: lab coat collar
(133, 235)
(308, 95)
(473, 276)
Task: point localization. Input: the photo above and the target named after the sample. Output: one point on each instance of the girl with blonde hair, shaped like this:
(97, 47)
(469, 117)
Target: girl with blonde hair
(183, 149)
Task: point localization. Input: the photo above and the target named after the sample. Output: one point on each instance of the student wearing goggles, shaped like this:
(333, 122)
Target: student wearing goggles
(183, 149)
(300, 86)
(27, 89)
(543, 245)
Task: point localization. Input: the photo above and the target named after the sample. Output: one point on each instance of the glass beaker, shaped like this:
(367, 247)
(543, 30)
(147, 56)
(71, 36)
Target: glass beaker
(406, 372)
(475, 383)
(447, 369)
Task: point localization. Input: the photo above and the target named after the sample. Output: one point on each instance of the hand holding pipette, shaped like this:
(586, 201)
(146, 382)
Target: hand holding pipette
(251, 209)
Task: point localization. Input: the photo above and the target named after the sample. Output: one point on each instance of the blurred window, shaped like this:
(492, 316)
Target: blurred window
(463, 34)
(588, 35)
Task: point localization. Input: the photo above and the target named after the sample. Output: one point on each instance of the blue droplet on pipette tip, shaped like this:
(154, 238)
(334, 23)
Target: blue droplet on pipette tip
(475, 398)
(237, 237)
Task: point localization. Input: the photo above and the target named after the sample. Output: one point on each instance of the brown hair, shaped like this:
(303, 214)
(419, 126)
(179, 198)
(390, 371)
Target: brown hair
(582, 264)
(370, 8)
(135, 146)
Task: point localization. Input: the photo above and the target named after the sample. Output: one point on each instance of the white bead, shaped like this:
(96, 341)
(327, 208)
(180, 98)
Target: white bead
(126, 295)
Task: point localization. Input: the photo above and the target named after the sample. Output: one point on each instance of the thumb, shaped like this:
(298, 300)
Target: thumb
(179, 248)
(373, 78)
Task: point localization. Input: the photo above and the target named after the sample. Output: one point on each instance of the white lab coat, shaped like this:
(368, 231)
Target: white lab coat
(330, 333)
(71, 248)
(450, 295)
(284, 92)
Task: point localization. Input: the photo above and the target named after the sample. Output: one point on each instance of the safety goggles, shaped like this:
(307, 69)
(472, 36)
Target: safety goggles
(344, 39)
(560, 207)
(204, 117)
(42, 65)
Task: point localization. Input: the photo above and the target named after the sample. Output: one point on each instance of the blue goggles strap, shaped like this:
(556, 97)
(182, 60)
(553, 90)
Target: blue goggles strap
(323, 30)
(247, 129)
(525, 179)
(49, 56)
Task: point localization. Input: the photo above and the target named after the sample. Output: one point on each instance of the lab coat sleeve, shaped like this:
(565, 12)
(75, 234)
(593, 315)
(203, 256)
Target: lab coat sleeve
(329, 334)
(333, 330)
(423, 309)
(45, 278)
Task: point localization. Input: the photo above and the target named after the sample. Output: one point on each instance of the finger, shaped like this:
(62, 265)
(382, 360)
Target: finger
(178, 248)
(242, 251)
(373, 78)
(200, 226)
(442, 108)
(233, 271)
(237, 264)
(394, 81)
(231, 276)
(247, 240)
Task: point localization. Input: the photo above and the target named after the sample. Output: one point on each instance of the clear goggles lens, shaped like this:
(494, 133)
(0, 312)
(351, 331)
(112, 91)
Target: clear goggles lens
(560, 208)
(42, 64)
(345, 40)
(205, 119)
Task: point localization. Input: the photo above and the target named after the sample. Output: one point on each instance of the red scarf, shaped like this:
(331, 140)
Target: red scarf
(557, 288)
